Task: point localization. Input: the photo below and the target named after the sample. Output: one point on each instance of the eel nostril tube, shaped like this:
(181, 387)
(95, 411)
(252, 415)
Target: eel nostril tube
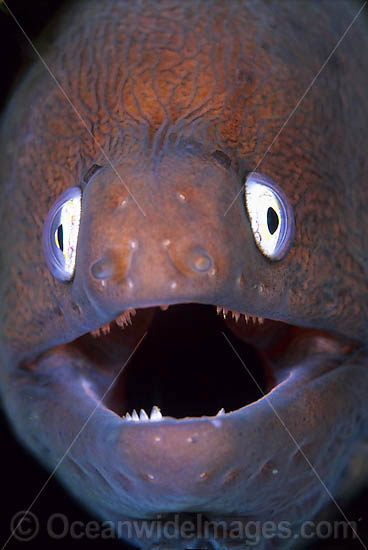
(103, 268)
(200, 260)
(109, 266)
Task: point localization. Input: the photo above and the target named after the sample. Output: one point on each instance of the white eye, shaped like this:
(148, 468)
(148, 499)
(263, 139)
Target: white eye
(60, 234)
(270, 215)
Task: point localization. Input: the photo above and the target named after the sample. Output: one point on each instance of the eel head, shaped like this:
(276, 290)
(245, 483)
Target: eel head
(175, 301)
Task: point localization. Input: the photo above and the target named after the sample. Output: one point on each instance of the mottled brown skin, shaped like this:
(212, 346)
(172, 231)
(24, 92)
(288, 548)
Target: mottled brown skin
(160, 87)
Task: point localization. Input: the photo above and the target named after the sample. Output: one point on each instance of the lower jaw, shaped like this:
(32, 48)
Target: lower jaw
(189, 379)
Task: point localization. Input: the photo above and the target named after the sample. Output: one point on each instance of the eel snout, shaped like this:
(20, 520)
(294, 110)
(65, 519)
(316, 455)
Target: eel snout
(149, 238)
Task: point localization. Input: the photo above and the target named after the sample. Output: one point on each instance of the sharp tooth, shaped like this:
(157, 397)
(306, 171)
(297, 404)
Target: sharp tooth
(155, 413)
(105, 329)
(218, 309)
(224, 312)
(143, 415)
(260, 320)
(236, 315)
(246, 317)
(125, 318)
(164, 308)
(221, 412)
(127, 416)
(135, 416)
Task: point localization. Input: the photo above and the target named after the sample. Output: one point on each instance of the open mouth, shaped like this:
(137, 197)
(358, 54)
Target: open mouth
(138, 401)
(195, 360)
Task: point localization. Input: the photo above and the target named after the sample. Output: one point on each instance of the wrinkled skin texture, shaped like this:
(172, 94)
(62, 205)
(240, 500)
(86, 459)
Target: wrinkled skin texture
(161, 87)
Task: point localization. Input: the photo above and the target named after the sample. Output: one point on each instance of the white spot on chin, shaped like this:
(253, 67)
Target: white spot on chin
(166, 242)
(157, 438)
(173, 285)
(130, 284)
(102, 283)
(124, 202)
(133, 244)
(181, 197)
(212, 271)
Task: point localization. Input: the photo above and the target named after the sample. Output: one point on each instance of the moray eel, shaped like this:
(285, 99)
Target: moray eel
(165, 160)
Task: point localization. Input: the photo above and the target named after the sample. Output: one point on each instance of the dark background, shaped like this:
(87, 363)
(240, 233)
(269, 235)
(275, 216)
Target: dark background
(21, 476)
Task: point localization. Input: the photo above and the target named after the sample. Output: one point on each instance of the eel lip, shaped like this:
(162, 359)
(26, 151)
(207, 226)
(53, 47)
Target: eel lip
(196, 360)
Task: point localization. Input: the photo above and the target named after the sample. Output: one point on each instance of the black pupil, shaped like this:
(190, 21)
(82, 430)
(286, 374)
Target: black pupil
(272, 220)
(60, 237)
